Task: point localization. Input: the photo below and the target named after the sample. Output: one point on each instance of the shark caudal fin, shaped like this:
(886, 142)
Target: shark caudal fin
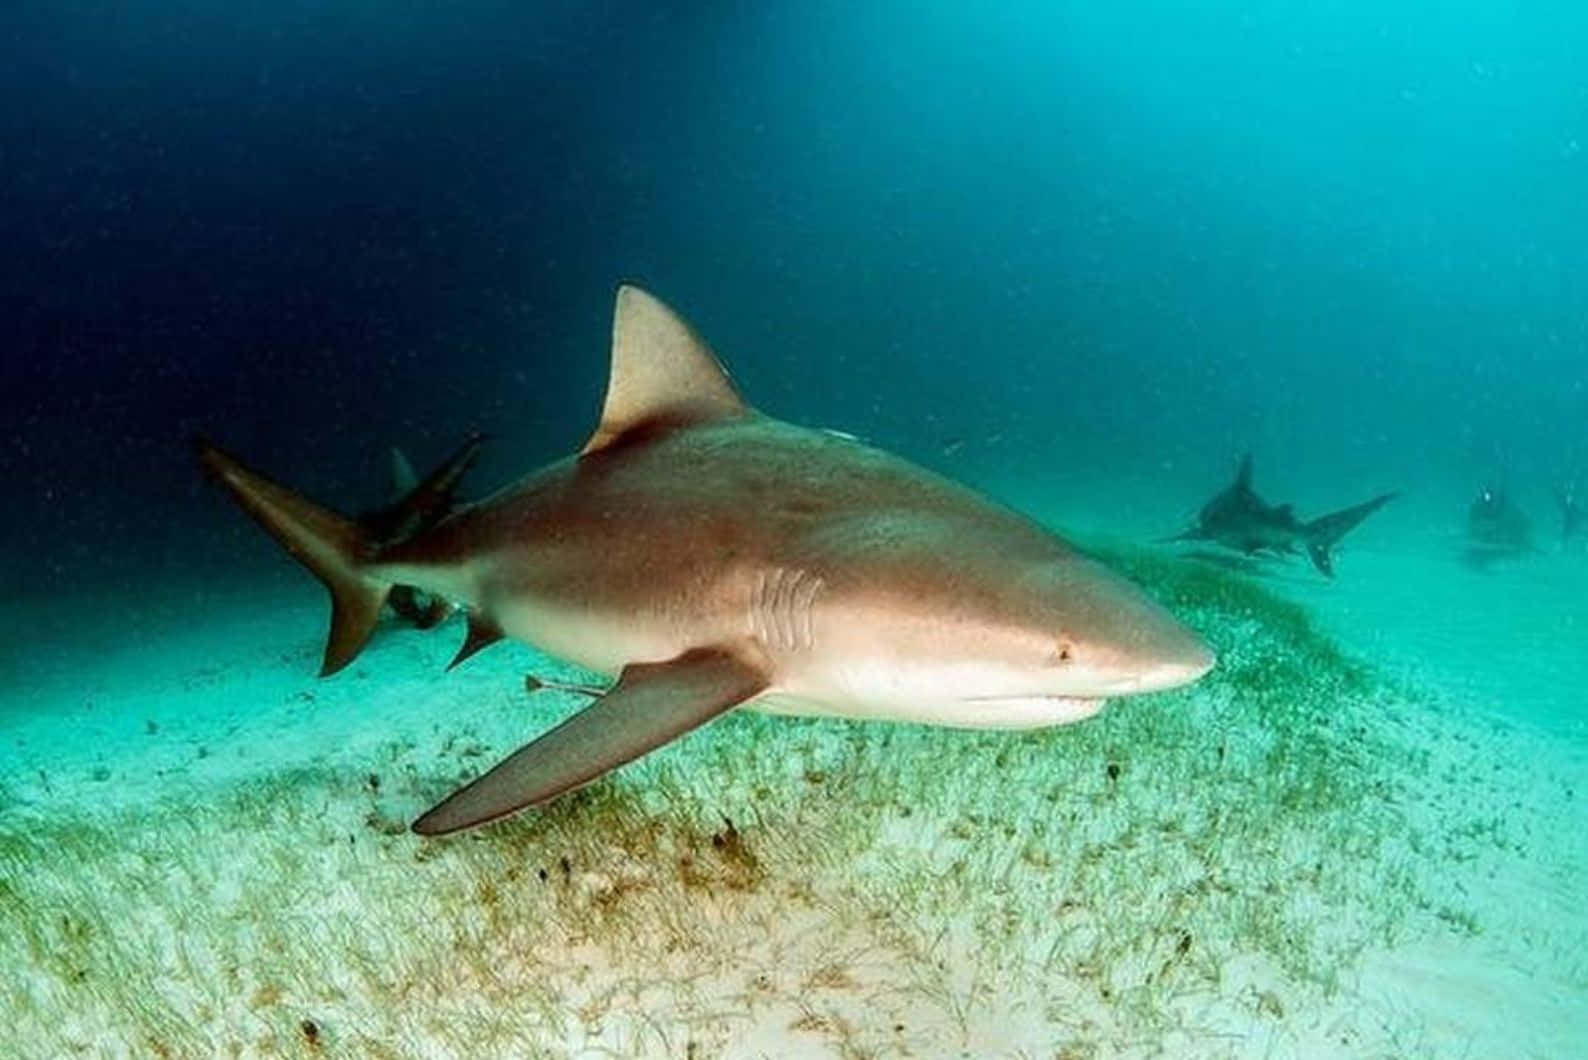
(1325, 531)
(331, 546)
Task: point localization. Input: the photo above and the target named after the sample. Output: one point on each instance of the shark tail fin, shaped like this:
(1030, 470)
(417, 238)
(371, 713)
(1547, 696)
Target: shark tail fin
(1324, 532)
(333, 547)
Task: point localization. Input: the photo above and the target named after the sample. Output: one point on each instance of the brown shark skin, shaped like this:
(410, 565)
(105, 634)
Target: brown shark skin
(710, 557)
(670, 532)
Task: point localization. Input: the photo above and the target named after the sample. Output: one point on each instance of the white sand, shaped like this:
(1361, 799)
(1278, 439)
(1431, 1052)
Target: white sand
(200, 886)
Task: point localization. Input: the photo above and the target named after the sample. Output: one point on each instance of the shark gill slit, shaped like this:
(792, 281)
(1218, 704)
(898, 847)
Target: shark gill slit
(804, 605)
(757, 593)
(780, 608)
(792, 618)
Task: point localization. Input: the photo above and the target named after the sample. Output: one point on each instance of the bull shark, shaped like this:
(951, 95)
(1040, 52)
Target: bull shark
(1239, 519)
(1496, 528)
(708, 556)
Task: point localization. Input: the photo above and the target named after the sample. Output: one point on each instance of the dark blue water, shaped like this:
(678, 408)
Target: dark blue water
(1142, 236)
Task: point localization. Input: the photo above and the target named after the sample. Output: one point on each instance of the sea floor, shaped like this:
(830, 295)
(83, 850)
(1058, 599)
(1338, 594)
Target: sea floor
(1363, 835)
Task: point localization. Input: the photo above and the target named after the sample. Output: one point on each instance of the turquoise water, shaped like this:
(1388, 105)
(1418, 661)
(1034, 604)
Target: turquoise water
(1079, 256)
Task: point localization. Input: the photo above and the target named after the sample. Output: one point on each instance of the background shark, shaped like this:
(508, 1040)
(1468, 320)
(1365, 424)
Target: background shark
(1496, 528)
(1573, 516)
(1238, 518)
(710, 556)
(416, 506)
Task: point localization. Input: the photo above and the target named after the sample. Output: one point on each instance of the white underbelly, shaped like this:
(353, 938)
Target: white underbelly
(1027, 712)
(604, 644)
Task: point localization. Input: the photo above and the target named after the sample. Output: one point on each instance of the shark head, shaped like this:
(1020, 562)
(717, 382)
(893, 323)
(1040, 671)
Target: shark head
(997, 639)
(1111, 638)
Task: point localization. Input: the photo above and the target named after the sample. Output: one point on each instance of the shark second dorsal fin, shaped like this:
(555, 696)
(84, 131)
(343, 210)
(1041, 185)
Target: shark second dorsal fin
(662, 373)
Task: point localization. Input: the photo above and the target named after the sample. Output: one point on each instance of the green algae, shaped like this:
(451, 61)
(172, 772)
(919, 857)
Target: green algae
(1124, 861)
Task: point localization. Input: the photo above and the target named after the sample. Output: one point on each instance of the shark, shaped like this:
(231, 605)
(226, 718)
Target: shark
(1496, 528)
(1237, 518)
(706, 556)
(1573, 513)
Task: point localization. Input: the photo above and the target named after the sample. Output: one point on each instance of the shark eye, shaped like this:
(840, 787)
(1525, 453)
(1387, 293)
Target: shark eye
(1065, 651)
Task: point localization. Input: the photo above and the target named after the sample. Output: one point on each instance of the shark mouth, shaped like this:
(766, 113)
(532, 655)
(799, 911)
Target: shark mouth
(1023, 712)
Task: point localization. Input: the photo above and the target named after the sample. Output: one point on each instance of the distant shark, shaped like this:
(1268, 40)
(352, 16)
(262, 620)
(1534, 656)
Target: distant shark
(415, 507)
(1239, 519)
(1496, 528)
(709, 556)
(1573, 514)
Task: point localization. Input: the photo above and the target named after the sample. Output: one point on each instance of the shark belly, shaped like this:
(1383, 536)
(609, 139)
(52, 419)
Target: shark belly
(1013, 712)
(606, 604)
(604, 642)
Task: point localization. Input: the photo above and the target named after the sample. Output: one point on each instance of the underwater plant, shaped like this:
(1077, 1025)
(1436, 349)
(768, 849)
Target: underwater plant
(864, 889)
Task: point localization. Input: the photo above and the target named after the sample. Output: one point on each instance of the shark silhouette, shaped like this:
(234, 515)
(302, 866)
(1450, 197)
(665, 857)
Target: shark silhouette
(1496, 528)
(1239, 519)
(709, 556)
(1573, 514)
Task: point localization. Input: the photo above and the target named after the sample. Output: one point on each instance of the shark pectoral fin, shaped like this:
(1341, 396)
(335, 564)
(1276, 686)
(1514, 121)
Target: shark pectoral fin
(651, 704)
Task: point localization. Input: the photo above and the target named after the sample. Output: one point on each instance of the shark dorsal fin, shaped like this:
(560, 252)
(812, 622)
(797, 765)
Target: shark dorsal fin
(661, 373)
(403, 479)
(1243, 476)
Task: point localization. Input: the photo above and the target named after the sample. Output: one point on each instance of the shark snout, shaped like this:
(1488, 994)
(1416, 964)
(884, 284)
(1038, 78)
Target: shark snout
(1169, 654)
(1187, 663)
(1117, 640)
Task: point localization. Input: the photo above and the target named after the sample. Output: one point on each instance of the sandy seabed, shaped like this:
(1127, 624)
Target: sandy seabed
(1361, 836)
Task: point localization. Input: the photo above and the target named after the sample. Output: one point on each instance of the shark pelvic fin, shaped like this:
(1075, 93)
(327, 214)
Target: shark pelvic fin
(331, 546)
(651, 704)
(662, 373)
(482, 634)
